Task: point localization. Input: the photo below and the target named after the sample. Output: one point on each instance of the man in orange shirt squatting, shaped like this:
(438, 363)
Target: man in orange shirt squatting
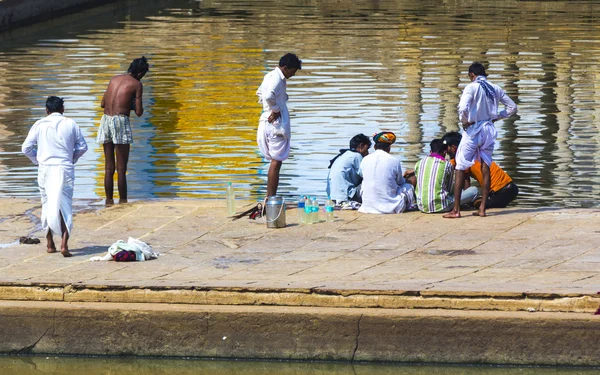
(477, 111)
(502, 188)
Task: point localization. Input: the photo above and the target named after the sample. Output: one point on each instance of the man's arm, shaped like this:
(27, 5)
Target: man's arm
(400, 177)
(464, 105)
(80, 145)
(510, 108)
(29, 147)
(271, 90)
(139, 109)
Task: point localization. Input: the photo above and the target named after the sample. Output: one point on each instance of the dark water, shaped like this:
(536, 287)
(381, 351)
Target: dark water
(127, 366)
(368, 66)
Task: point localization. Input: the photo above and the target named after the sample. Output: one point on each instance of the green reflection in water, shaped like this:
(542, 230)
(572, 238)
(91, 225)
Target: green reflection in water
(148, 366)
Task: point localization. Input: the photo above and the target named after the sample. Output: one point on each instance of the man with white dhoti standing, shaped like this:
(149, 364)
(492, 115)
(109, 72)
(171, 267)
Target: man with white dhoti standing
(273, 134)
(477, 111)
(55, 143)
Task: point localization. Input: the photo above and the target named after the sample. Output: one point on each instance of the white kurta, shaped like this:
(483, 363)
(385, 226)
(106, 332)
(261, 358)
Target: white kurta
(274, 138)
(384, 190)
(55, 143)
(475, 107)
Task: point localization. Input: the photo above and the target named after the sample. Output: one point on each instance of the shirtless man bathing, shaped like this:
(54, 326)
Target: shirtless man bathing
(124, 93)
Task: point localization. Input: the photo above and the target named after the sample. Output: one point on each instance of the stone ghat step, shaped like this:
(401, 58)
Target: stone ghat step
(317, 297)
(299, 333)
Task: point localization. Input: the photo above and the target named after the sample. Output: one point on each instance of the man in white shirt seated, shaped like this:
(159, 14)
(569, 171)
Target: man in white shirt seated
(343, 181)
(55, 143)
(385, 190)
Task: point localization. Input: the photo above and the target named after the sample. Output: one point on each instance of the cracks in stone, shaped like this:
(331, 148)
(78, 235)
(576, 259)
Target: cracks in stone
(29, 349)
(357, 338)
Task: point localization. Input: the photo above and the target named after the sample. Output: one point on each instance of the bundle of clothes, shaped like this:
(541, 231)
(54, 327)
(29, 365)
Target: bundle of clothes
(130, 251)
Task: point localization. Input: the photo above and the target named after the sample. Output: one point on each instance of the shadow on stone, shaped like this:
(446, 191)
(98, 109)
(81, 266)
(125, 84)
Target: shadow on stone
(89, 251)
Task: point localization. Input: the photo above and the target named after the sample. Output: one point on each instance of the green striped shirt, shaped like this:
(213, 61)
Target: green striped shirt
(434, 184)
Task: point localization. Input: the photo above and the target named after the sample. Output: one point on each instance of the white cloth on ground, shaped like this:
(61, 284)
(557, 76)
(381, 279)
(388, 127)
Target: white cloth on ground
(384, 190)
(142, 250)
(274, 138)
(55, 143)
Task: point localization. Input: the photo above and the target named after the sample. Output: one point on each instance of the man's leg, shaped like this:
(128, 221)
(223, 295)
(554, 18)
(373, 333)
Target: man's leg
(122, 160)
(51, 247)
(273, 177)
(458, 187)
(109, 171)
(503, 197)
(64, 247)
(485, 189)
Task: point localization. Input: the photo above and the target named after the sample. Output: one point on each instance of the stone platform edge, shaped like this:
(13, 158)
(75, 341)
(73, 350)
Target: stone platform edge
(299, 333)
(17, 13)
(317, 297)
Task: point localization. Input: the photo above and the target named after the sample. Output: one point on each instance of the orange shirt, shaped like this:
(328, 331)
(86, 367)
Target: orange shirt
(498, 178)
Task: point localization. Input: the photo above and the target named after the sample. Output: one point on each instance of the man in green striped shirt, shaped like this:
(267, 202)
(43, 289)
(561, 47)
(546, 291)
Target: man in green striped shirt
(434, 182)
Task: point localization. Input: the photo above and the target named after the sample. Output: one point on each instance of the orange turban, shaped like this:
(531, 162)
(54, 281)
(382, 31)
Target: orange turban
(385, 137)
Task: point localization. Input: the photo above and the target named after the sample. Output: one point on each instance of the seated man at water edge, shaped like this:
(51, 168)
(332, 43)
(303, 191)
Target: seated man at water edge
(502, 188)
(55, 143)
(274, 134)
(477, 111)
(384, 188)
(124, 94)
(343, 180)
(434, 182)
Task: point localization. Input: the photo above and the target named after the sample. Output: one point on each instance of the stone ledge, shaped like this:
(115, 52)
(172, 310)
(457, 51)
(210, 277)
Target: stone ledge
(15, 13)
(303, 297)
(299, 333)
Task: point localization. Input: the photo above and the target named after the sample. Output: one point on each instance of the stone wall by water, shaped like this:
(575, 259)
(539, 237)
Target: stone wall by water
(14, 13)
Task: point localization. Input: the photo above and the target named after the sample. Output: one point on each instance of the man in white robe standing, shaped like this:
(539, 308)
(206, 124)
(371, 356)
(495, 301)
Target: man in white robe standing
(477, 111)
(385, 189)
(274, 133)
(55, 143)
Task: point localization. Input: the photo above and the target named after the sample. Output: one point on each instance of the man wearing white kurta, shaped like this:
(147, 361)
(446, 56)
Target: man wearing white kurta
(274, 134)
(55, 143)
(384, 189)
(477, 111)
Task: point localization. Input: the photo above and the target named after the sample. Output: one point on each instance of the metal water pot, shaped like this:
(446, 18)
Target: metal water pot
(275, 212)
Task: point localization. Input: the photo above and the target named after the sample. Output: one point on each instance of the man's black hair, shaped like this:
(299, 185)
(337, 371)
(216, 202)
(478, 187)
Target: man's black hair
(291, 61)
(438, 146)
(478, 69)
(452, 138)
(138, 66)
(359, 139)
(55, 104)
(383, 146)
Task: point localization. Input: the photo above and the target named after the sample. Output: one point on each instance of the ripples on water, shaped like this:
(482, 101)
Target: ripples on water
(368, 66)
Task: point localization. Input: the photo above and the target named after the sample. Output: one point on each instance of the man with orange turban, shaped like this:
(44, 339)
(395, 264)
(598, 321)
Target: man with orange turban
(385, 189)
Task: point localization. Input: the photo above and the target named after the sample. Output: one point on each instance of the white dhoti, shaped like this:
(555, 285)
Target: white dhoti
(56, 183)
(477, 143)
(273, 139)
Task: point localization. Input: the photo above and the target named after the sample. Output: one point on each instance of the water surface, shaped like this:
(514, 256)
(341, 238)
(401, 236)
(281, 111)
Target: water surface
(368, 66)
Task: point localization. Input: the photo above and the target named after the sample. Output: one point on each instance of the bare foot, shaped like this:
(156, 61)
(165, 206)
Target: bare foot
(479, 213)
(51, 250)
(122, 201)
(66, 253)
(109, 202)
(452, 215)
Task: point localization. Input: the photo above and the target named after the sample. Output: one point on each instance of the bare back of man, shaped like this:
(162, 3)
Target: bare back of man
(124, 94)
